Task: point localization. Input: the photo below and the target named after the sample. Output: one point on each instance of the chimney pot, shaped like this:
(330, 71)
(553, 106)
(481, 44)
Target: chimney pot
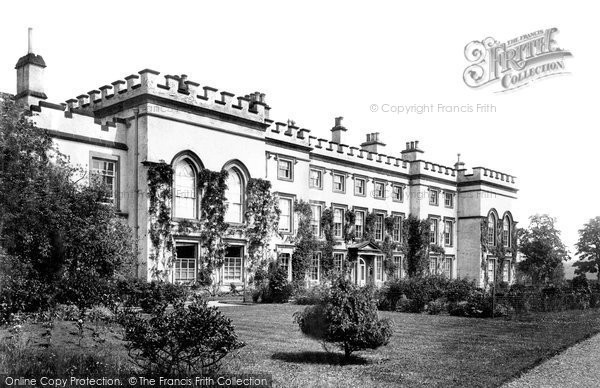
(407, 145)
(417, 144)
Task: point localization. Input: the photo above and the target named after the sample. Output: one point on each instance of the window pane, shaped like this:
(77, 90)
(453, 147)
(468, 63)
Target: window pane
(285, 219)
(234, 197)
(185, 190)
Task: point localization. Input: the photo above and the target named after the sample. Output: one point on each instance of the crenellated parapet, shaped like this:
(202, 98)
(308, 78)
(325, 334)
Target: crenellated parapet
(423, 167)
(173, 89)
(483, 174)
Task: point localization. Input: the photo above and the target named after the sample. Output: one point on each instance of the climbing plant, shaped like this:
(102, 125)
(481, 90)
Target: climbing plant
(326, 247)
(160, 179)
(388, 246)
(262, 215)
(305, 241)
(369, 229)
(349, 226)
(416, 245)
(213, 185)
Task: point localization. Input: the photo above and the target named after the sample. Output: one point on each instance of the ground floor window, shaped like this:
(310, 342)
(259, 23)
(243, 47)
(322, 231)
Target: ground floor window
(491, 270)
(315, 267)
(284, 262)
(232, 266)
(506, 271)
(448, 260)
(379, 268)
(338, 261)
(434, 262)
(186, 263)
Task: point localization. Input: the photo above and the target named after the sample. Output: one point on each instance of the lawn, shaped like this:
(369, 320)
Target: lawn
(425, 350)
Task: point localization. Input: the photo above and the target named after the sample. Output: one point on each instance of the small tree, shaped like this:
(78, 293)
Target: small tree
(184, 341)
(347, 317)
(588, 248)
(543, 249)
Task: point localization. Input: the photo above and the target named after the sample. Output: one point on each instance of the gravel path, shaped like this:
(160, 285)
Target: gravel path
(578, 366)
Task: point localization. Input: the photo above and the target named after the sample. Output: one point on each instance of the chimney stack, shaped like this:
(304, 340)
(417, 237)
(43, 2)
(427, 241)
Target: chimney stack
(30, 76)
(336, 131)
(412, 151)
(373, 144)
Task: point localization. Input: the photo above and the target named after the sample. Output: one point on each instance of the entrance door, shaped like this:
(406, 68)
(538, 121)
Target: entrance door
(362, 272)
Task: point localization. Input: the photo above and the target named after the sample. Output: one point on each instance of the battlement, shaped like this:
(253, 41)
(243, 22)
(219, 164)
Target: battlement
(423, 167)
(172, 88)
(487, 175)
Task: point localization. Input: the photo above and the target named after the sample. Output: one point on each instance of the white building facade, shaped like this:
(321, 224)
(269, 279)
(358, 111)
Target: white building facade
(121, 128)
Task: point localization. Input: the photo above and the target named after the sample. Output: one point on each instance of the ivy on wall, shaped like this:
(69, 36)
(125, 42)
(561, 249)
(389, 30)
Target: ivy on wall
(349, 226)
(416, 245)
(160, 180)
(213, 186)
(262, 215)
(305, 241)
(327, 246)
(369, 229)
(388, 246)
(497, 250)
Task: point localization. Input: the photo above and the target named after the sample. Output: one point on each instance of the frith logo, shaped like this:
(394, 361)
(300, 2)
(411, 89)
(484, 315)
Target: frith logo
(515, 63)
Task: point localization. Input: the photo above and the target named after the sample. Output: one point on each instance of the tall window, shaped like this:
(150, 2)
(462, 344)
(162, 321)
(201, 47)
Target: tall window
(359, 224)
(433, 235)
(315, 267)
(491, 270)
(316, 178)
(449, 200)
(234, 197)
(448, 233)
(285, 218)
(284, 262)
(397, 230)
(398, 265)
(379, 191)
(285, 169)
(185, 190)
(506, 271)
(433, 197)
(338, 260)
(338, 222)
(106, 172)
(339, 183)
(232, 266)
(433, 265)
(506, 231)
(379, 227)
(359, 187)
(315, 221)
(491, 230)
(397, 193)
(379, 268)
(448, 267)
(185, 265)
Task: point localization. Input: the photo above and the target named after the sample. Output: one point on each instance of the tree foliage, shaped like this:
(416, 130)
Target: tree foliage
(346, 316)
(59, 237)
(588, 248)
(543, 249)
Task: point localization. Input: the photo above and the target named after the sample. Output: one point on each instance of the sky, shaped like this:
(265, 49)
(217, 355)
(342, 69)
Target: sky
(316, 60)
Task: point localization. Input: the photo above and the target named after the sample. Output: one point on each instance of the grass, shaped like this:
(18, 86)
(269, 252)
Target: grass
(425, 350)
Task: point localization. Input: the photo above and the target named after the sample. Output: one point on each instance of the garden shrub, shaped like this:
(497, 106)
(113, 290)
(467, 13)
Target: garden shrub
(149, 295)
(272, 286)
(436, 307)
(182, 341)
(415, 294)
(347, 317)
(311, 295)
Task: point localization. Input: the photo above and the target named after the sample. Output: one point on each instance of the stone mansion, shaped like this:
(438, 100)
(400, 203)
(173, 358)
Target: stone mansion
(118, 129)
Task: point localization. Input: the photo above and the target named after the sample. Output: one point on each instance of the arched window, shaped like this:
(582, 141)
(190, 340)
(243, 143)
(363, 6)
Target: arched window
(186, 193)
(234, 195)
(506, 231)
(491, 229)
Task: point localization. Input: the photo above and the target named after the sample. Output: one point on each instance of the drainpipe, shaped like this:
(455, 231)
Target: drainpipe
(136, 188)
